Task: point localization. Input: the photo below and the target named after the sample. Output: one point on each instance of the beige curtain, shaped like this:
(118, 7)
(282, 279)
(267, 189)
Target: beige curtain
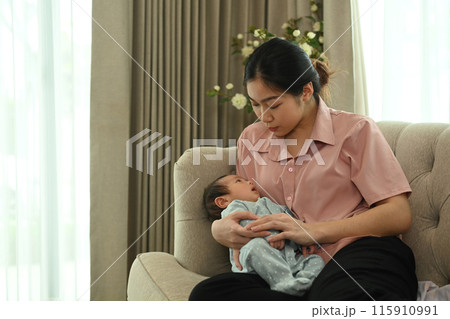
(152, 62)
(348, 84)
(361, 104)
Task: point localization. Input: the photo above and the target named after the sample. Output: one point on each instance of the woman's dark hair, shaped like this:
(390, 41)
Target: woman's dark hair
(285, 66)
(212, 191)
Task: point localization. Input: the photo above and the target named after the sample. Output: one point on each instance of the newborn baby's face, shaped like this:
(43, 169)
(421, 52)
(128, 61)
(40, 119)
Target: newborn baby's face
(240, 188)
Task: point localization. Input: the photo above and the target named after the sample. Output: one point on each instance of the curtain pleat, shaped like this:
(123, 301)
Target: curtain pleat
(110, 128)
(339, 50)
(186, 47)
(361, 104)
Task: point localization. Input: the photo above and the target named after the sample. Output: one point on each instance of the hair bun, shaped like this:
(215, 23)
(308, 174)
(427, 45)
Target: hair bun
(323, 71)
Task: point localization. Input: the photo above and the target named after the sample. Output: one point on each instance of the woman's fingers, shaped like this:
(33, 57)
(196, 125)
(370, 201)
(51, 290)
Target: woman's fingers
(277, 221)
(242, 215)
(228, 231)
(289, 228)
(277, 237)
(246, 233)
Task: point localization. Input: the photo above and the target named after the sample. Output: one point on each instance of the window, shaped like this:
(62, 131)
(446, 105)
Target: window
(44, 150)
(406, 47)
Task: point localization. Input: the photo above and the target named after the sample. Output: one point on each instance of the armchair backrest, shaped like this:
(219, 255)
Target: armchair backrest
(423, 151)
(195, 248)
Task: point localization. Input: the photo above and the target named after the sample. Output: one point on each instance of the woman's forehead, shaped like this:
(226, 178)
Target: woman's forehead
(259, 92)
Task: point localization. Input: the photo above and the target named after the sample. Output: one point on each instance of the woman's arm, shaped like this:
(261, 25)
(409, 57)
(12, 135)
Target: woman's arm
(228, 231)
(388, 217)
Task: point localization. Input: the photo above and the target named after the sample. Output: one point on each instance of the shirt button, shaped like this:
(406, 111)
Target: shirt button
(290, 169)
(289, 198)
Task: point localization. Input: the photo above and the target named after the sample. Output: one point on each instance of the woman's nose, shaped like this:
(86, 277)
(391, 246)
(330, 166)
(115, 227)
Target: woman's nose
(266, 117)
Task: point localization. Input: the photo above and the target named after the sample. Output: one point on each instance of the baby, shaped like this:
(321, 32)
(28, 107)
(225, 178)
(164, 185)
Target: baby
(281, 264)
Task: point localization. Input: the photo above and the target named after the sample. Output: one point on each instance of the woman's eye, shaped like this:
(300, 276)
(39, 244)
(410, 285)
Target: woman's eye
(275, 106)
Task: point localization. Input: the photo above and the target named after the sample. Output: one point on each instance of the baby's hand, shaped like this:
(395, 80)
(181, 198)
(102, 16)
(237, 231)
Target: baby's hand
(279, 244)
(309, 250)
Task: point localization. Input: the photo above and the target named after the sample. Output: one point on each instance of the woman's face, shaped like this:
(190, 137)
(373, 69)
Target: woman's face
(281, 113)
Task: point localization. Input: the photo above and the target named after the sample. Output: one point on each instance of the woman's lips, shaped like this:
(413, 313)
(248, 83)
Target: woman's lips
(273, 129)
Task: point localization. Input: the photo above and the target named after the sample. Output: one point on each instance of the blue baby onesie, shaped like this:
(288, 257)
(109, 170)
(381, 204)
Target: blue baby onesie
(284, 270)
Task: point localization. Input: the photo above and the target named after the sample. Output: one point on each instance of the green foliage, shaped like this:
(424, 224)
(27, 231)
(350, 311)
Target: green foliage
(310, 40)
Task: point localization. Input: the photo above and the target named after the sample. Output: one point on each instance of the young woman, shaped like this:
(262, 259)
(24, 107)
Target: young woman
(335, 172)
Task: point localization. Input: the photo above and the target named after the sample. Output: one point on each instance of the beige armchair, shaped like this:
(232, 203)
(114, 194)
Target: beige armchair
(423, 150)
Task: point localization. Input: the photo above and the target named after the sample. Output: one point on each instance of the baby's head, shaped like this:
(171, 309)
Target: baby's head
(220, 193)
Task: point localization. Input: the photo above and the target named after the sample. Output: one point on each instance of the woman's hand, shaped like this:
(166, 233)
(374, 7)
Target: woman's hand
(388, 217)
(228, 232)
(290, 228)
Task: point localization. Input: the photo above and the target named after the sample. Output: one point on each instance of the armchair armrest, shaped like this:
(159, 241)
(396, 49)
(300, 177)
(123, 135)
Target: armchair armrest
(158, 276)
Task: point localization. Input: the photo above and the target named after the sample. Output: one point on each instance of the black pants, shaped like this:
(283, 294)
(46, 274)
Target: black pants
(371, 268)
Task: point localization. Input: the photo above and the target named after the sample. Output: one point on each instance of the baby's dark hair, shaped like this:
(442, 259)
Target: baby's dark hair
(212, 191)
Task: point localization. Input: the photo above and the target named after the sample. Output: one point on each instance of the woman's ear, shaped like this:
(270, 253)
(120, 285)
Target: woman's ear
(221, 202)
(308, 91)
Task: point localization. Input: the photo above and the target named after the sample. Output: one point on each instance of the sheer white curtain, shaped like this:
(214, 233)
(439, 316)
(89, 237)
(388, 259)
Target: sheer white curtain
(44, 149)
(406, 46)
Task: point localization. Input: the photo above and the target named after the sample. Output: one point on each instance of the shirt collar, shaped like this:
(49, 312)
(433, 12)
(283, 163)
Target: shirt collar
(323, 126)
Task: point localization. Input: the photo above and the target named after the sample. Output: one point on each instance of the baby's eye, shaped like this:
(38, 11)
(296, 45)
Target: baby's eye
(238, 180)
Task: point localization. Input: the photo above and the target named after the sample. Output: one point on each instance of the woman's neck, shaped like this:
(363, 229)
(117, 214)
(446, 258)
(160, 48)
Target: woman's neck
(304, 128)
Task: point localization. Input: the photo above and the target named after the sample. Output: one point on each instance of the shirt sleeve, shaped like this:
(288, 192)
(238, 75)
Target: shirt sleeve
(374, 168)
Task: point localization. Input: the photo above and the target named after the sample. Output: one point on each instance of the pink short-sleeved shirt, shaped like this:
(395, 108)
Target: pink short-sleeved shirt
(344, 168)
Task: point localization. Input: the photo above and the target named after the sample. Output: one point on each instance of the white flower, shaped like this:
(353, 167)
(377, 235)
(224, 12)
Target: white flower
(321, 39)
(246, 51)
(240, 36)
(311, 35)
(296, 33)
(307, 48)
(316, 26)
(249, 42)
(229, 86)
(217, 88)
(255, 43)
(257, 33)
(314, 8)
(284, 26)
(239, 101)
